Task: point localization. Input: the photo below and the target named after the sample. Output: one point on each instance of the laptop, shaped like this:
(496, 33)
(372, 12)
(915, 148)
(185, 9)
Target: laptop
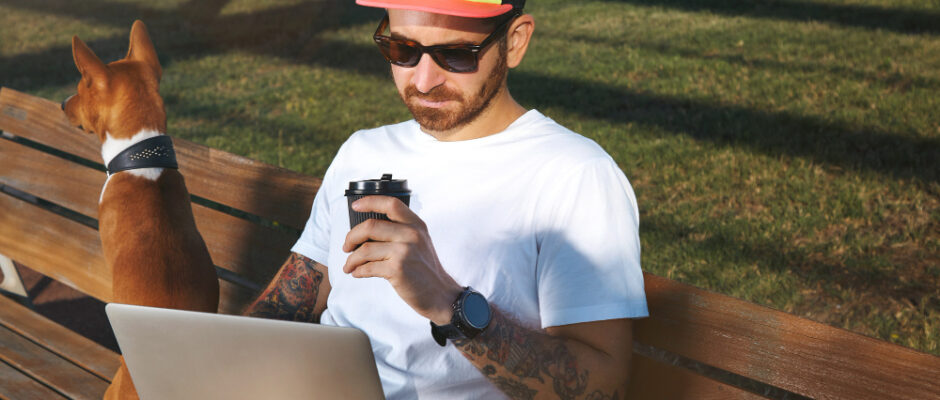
(173, 354)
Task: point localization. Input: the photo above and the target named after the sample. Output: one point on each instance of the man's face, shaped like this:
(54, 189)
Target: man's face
(441, 100)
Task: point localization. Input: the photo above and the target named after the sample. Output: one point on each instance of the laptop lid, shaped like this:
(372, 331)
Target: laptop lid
(173, 354)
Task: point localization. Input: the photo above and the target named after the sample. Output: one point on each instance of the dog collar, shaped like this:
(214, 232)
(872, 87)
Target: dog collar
(156, 152)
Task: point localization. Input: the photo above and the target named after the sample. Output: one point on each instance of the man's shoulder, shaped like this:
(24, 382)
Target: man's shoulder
(380, 139)
(565, 146)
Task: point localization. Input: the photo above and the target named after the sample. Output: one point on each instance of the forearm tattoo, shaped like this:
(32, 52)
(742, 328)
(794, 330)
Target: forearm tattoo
(522, 362)
(294, 296)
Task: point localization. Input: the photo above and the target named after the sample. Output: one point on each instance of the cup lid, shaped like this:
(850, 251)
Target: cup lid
(383, 186)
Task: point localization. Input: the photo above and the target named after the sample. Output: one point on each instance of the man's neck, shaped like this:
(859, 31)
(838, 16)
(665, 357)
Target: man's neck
(502, 111)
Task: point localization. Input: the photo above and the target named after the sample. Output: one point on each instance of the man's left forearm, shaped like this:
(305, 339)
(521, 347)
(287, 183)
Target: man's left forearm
(526, 363)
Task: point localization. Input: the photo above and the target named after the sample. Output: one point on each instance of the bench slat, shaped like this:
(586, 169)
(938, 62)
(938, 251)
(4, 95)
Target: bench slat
(234, 298)
(247, 248)
(49, 368)
(29, 233)
(780, 349)
(17, 386)
(253, 251)
(275, 193)
(653, 380)
(210, 173)
(68, 184)
(55, 246)
(58, 339)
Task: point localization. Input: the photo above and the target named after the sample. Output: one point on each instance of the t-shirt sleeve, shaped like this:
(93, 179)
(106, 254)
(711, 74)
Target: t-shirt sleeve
(315, 239)
(588, 266)
(314, 242)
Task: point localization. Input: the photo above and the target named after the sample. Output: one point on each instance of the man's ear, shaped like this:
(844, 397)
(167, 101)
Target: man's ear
(89, 65)
(141, 48)
(519, 36)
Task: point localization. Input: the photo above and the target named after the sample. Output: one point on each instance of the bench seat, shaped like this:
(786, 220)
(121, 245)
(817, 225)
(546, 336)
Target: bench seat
(696, 344)
(40, 359)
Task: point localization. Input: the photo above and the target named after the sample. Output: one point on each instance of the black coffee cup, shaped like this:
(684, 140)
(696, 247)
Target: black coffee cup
(386, 186)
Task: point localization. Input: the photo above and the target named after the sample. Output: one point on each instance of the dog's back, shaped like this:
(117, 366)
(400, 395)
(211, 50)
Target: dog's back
(148, 233)
(150, 239)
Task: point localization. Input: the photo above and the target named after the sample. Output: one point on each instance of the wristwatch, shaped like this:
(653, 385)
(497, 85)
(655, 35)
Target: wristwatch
(472, 315)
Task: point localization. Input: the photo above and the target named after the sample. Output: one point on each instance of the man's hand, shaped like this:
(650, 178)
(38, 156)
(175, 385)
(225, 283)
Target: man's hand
(401, 252)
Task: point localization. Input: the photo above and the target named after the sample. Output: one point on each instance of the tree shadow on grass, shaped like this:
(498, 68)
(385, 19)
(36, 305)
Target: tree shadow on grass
(899, 20)
(773, 133)
(727, 246)
(194, 29)
(291, 33)
(895, 79)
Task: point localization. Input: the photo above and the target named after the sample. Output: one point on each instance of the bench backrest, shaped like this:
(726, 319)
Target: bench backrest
(248, 212)
(716, 340)
(696, 344)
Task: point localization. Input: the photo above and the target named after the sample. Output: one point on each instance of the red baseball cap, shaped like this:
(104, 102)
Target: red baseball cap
(460, 8)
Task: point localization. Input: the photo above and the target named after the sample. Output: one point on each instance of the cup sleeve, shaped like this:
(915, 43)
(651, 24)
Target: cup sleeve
(588, 266)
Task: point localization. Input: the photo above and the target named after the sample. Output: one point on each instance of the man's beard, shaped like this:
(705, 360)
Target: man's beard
(441, 120)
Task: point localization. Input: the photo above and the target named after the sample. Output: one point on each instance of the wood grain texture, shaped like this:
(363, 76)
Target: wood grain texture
(48, 368)
(792, 353)
(241, 246)
(55, 246)
(14, 385)
(58, 339)
(271, 192)
(652, 380)
(252, 251)
(43, 121)
(234, 298)
(65, 183)
(71, 253)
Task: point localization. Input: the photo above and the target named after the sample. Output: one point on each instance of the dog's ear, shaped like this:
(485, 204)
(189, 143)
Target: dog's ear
(141, 48)
(89, 65)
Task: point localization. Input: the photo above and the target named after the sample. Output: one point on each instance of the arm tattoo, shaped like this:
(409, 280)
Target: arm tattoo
(513, 358)
(294, 296)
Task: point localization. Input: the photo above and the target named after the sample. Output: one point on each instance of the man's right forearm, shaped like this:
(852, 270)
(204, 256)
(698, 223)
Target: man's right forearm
(295, 292)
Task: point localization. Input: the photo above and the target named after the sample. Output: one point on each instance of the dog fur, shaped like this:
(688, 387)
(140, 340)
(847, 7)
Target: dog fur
(148, 234)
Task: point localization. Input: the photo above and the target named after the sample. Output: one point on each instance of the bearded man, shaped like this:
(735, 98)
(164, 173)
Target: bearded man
(516, 270)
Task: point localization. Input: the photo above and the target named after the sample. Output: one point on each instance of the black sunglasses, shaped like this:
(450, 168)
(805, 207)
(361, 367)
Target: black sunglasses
(451, 57)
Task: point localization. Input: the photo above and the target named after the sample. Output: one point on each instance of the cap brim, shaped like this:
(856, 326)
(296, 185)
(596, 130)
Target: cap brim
(460, 8)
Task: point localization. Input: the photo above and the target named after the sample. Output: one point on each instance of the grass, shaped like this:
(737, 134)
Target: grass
(782, 152)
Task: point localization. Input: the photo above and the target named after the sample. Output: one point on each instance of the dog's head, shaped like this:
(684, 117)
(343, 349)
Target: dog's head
(121, 98)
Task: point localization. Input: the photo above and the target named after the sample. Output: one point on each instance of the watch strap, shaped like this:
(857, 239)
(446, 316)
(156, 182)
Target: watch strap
(441, 333)
(458, 328)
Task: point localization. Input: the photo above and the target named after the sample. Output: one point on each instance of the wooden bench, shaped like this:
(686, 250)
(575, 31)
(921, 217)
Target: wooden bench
(695, 345)
(47, 222)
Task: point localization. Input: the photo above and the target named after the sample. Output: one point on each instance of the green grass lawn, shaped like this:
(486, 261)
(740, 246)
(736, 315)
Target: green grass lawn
(784, 152)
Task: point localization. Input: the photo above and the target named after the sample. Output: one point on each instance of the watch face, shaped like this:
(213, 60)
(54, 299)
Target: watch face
(477, 310)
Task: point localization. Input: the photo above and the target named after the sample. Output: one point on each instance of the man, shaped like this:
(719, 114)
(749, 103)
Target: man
(520, 252)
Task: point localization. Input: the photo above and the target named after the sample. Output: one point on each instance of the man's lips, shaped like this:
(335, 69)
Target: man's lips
(431, 103)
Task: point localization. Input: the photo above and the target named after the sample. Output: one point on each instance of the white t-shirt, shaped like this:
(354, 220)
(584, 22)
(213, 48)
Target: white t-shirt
(537, 218)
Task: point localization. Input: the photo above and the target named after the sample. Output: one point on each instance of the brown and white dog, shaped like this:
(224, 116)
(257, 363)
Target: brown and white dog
(148, 235)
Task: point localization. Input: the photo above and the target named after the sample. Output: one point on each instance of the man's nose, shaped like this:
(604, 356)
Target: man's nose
(427, 75)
